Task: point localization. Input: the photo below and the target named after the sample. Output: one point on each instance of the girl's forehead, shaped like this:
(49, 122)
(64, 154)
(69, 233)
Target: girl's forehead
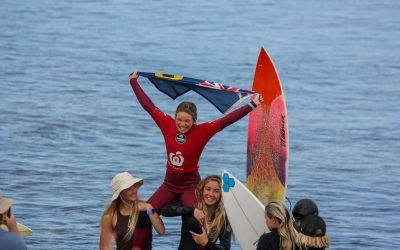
(136, 185)
(183, 114)
(213, 184)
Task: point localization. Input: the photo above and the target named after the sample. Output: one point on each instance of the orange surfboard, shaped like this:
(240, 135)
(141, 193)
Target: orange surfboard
(268, 136)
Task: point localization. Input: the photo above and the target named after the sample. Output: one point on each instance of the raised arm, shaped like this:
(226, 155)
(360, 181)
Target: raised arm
(11, 223)
(143, 99)
(241, 112)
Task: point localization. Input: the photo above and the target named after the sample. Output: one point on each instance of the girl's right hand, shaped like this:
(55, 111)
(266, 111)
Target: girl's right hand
(258, 99)
(199, 215)
(134, 75)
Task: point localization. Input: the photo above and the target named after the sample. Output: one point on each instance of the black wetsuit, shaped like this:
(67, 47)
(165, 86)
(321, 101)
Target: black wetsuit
(270, 241)
(189, 223)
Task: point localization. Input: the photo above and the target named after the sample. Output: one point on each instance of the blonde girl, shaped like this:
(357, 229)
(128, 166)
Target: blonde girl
(205, 226)
(127, 219)
(283, 235)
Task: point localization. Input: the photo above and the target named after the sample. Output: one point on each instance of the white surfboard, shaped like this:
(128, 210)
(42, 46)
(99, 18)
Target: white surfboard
(24, 231)
(245, 212)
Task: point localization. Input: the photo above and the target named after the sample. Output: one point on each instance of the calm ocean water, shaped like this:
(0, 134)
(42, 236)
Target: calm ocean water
(69, 120)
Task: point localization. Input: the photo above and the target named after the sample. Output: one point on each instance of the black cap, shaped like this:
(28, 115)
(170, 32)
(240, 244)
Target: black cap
(303, 208)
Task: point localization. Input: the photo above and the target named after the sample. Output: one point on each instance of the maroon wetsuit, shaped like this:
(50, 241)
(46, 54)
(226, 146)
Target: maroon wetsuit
(183, 151)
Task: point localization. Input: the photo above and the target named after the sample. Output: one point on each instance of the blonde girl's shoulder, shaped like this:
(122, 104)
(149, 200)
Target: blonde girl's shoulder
(109, 220)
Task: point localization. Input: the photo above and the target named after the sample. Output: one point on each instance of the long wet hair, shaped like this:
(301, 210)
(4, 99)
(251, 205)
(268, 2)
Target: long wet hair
(111, 209)
(286, 231)
(189, 108)
(214, 216)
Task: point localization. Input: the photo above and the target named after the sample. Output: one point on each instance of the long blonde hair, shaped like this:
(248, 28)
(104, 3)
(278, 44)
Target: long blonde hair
(286, 231)
(111, 209)
(214, 216)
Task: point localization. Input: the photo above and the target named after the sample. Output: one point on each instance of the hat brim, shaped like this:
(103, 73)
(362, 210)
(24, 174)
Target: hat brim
(5, 204)
(126, 185)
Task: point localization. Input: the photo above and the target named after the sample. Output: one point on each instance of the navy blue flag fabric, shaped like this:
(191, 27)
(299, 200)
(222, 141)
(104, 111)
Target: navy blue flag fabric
(223, 97)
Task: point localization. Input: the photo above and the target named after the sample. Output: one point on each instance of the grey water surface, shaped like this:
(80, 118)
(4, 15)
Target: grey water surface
(69, 120)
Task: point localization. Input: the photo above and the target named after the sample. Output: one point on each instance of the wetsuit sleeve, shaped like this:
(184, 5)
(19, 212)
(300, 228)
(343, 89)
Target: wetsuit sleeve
(224, 239)
(143, 99)
(236, 115)
(176, 210)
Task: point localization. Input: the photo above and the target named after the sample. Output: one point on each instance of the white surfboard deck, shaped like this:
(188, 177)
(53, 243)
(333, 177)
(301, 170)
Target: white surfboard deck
(245, 212)
(24, 231)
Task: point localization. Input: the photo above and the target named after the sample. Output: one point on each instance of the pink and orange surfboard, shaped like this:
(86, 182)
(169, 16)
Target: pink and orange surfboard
(268, 136)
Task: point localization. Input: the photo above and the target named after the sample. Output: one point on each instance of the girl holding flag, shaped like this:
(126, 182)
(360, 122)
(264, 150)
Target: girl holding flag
(184, 141)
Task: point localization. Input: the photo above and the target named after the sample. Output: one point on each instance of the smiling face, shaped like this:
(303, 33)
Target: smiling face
(130, 194)
(212, 193)
(184, 122)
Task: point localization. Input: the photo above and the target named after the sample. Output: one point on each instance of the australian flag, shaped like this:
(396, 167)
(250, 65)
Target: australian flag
(223, 97)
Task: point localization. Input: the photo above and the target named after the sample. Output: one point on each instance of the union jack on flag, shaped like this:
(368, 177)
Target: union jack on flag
(219, 86)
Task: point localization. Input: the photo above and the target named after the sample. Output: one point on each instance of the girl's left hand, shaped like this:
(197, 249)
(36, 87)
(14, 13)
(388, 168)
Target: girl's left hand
(200, 239)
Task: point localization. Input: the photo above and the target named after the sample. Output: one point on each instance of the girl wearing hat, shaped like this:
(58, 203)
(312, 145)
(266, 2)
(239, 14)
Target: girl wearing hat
(184, 141)
(207, 223)
(283, 235)
(10, 239)
(127, 219)
(302, 209)
(312, 234)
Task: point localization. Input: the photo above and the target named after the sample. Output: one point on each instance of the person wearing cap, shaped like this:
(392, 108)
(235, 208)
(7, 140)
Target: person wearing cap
(126, 218)
(12, 238)
(302, 209)
(282, 235)
(312, 234)
(184, 143)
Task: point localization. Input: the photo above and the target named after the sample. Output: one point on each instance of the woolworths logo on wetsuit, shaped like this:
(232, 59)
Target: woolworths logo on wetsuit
(176, 159)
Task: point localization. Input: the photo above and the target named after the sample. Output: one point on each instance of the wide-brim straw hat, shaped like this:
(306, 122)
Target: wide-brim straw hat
(5, 203)
(123, 181)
